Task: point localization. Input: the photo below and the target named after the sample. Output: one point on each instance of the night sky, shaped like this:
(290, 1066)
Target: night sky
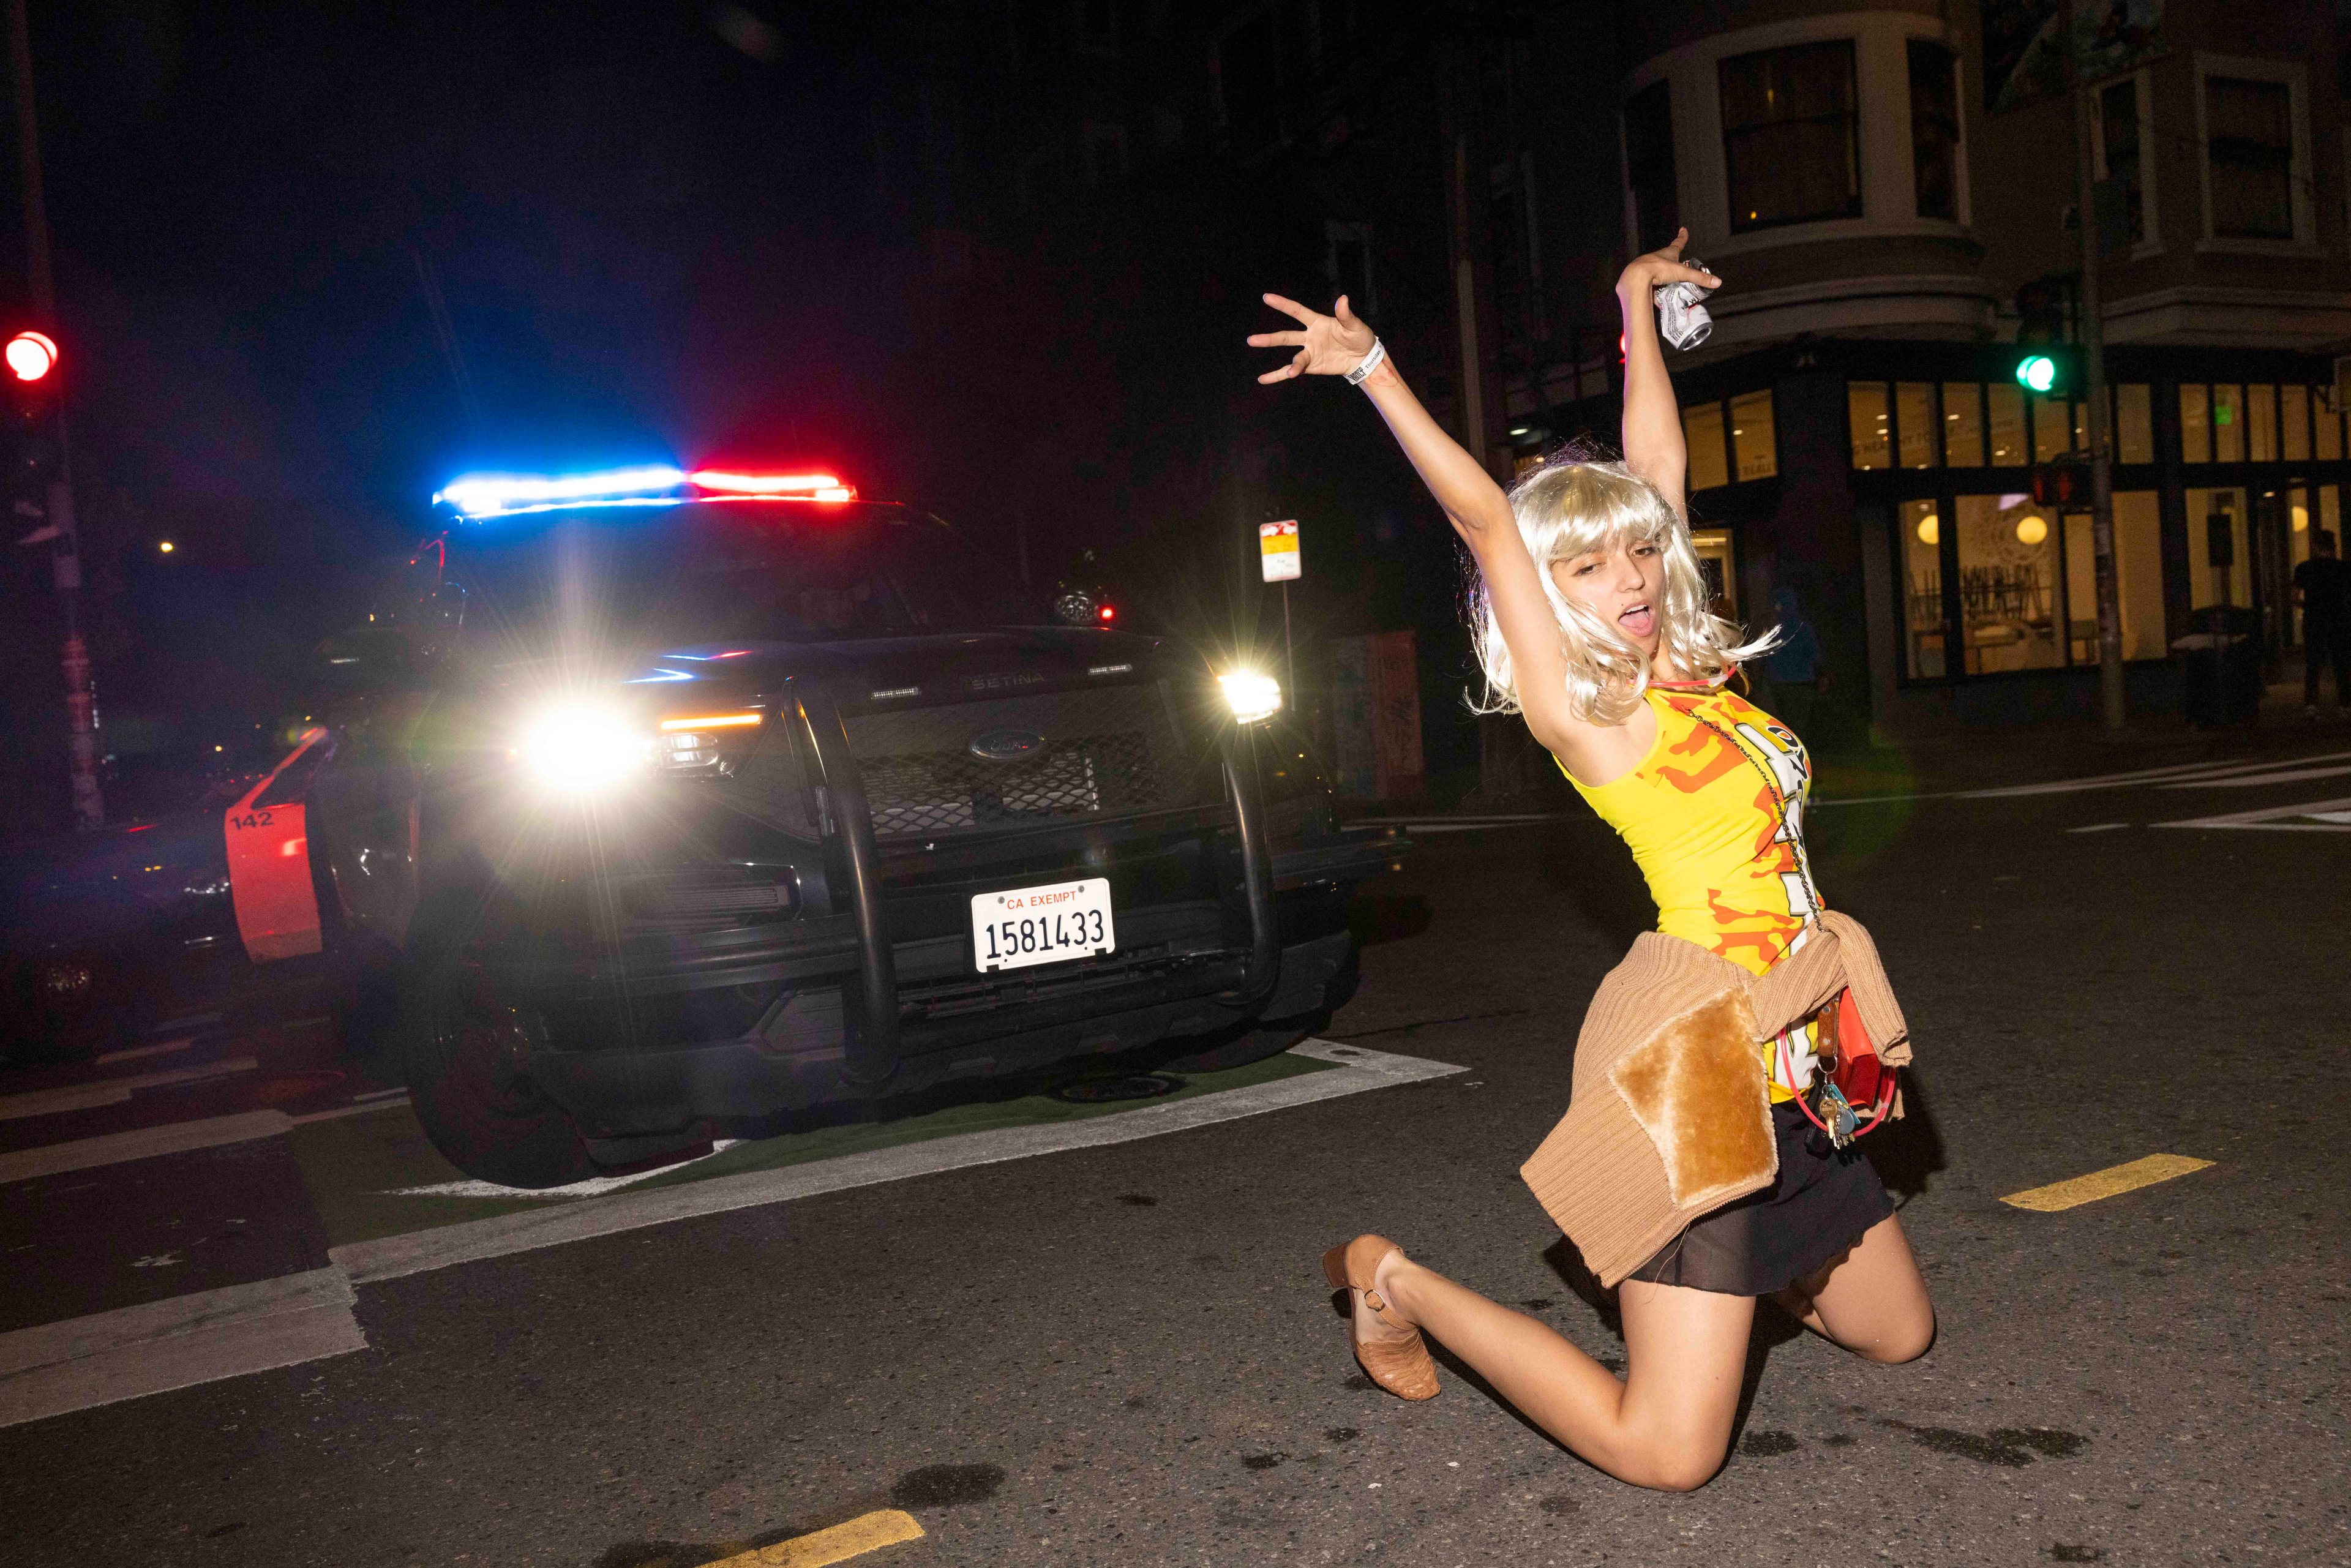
(654, 231)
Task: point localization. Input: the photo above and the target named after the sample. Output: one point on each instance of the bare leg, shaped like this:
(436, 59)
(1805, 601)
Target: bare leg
(1665, 1424)
(1871, 1300)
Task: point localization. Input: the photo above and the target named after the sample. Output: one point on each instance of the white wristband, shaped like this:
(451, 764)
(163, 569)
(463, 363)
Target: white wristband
(1368, 363)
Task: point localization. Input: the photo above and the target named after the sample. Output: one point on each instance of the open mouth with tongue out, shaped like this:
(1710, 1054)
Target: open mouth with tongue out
(1638, 621)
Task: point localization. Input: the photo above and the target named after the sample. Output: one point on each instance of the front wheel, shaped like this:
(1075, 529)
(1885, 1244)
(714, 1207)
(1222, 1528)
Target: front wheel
(466, 1048)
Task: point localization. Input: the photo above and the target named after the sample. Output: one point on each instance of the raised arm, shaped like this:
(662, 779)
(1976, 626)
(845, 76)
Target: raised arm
(1336, 344)
(1654, 447)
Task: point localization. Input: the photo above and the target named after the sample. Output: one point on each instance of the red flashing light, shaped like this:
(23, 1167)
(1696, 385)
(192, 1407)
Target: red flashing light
(31, 355)
(1109, 613)
(772, 487)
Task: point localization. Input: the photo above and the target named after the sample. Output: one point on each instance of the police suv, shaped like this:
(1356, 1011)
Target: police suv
(659, 797)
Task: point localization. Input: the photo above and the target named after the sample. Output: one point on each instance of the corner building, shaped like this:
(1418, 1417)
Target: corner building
(1876, 183)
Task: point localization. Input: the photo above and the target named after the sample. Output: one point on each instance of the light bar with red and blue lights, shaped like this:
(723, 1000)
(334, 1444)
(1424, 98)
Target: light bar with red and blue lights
(478, 496)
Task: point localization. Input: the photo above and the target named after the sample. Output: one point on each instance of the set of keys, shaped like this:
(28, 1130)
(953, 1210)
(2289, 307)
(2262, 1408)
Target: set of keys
(1833, 1110)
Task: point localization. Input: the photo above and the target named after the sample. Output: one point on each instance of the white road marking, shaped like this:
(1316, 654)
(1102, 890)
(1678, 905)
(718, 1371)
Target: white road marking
(378, 1094)
(336, 1112)
(2181, 775)
(391, 1256)
(175, 1344)
(110, 1058)
(2321, 817)
(2247, 780)
(2186, 774)
(114, 1091)
(594, 1186)
(2098, 828)
(188, 1340)
(143, 1143)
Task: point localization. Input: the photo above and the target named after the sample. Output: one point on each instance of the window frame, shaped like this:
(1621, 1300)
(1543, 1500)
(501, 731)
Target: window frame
(2295, 78)
(2150, 240)
(1910, 46)
(1858, 203)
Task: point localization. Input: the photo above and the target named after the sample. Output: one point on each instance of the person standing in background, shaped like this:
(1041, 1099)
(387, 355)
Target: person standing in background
(2322, 587)
(1793, 674)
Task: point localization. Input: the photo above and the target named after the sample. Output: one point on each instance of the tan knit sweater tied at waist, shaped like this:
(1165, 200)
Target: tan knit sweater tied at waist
(1671, 1116)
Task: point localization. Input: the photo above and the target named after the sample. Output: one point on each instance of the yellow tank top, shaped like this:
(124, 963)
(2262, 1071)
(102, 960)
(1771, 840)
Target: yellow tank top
(1715, 818)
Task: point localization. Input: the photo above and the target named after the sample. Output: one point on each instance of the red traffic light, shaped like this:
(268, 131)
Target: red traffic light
(31, 356)
(1109, 613)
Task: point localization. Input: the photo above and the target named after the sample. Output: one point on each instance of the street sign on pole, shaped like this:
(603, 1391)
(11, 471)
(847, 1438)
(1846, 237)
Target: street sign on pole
(1277, 545)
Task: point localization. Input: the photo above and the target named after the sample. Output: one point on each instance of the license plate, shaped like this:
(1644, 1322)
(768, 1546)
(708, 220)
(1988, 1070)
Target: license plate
(1047, 925)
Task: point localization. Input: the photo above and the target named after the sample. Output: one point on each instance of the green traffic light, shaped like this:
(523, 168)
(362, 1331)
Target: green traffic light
(2038, 372)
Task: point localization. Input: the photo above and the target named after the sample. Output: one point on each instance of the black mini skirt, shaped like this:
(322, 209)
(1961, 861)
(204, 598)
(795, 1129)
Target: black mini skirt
(1823, 1202)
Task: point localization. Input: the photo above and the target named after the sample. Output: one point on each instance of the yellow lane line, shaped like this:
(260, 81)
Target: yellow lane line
(839, 1543)
(2104, 1184)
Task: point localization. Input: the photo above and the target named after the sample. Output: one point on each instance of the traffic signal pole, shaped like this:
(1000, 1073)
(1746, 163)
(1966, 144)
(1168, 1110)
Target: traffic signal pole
(2093, 376)
(81, 697)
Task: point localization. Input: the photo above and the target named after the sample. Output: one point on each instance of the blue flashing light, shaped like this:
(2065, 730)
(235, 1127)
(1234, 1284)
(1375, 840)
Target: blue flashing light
(476, 495)
(658, 678)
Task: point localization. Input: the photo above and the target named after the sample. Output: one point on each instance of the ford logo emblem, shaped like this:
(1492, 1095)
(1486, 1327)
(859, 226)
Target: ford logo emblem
(1006, 745)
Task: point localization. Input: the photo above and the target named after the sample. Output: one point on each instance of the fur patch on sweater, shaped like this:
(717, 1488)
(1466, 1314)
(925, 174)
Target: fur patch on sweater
(1696, 1088)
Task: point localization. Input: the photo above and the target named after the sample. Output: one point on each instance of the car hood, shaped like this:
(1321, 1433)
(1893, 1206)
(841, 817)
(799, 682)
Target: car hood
(949, 666)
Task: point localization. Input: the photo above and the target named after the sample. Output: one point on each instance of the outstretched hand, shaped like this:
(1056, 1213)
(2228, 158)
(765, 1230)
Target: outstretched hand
(1665, 266)
(1329, 346)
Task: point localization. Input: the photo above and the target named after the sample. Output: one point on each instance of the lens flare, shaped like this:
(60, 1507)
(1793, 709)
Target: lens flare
(584, 750)
(1253, 695)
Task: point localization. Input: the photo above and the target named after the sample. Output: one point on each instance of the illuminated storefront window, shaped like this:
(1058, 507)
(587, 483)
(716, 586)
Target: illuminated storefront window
(2006, 401)
(2133, 423)
(2138, 579)
(2261, 424)
(1702, 435)
(1915, 415)
(2294, 424)
(2195, 424)
(1963, 432)
(2053, 429)
(2219, 570)
(1867, 413)
(2228, 425)
(2008, 585)
(1754, 435)
(1924, 629)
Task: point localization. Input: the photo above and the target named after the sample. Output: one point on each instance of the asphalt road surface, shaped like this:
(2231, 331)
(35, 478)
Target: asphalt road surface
(1117, 1348)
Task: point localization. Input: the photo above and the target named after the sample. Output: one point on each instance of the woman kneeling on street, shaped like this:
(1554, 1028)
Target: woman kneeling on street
(1705, 1159)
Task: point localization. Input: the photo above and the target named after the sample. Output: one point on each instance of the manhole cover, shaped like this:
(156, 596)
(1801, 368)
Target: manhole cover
(1136, 1086)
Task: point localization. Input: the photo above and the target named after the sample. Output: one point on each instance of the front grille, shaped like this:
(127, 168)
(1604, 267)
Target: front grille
(1105, 752)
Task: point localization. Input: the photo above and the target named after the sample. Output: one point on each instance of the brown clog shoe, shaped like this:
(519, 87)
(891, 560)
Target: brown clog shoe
(1402, 1366)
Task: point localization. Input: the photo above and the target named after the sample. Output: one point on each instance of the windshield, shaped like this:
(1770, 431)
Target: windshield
(623, 578)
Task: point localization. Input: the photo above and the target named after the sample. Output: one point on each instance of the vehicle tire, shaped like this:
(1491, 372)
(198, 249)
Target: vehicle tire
(1248, 1043)
(466, 1050)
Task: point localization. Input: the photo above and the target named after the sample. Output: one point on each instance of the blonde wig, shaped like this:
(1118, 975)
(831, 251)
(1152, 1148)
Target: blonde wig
(1570, 507)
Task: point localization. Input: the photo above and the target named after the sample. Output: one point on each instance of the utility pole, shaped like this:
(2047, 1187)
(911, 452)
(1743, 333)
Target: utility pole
(2094, 378)
(82, 697)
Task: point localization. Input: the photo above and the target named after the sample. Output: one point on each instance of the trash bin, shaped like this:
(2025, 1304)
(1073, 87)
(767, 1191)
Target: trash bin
(2220, 658)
